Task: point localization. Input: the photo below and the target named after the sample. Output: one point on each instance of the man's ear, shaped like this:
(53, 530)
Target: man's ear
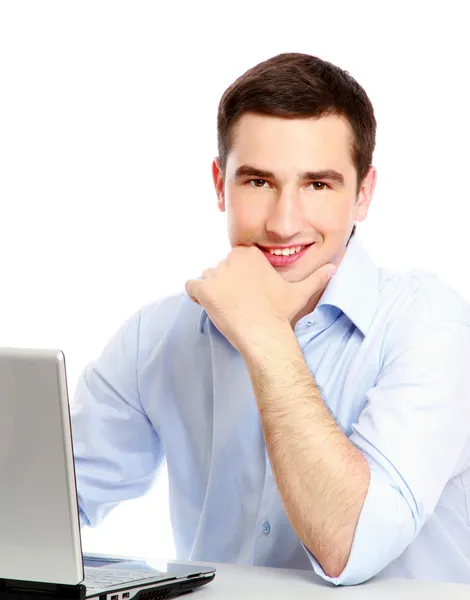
(365, 195)
(218, 179)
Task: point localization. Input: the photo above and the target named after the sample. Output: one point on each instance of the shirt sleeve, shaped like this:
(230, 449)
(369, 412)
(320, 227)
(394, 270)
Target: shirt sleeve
(117, 450)
(412, 432)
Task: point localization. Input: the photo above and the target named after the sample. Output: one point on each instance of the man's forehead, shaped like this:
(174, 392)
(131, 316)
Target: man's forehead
(288, 145)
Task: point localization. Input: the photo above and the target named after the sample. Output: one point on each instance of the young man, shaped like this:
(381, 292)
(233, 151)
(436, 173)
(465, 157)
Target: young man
(313, 409)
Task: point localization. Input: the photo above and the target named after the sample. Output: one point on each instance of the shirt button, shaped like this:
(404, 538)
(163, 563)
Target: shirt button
(266, 527)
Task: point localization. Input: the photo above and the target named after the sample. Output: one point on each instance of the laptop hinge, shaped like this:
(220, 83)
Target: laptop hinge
(14, 589)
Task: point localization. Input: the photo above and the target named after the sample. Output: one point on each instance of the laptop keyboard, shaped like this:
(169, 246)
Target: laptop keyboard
(103, 578)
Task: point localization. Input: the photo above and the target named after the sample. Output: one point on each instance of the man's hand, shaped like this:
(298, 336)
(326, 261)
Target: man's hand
(244, 295)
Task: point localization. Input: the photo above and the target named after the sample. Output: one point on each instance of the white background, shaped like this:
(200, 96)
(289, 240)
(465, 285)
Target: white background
(108, 129)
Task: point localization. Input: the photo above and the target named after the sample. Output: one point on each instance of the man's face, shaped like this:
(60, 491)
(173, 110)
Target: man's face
(277, 198)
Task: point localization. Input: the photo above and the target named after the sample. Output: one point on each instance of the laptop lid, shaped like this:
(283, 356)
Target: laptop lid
(40, 545)
(40, 534)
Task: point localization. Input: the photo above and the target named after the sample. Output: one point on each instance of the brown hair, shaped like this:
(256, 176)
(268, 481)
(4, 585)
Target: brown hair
(293, 85)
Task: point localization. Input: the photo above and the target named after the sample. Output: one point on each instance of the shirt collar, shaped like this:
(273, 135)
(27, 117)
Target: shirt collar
(354, 289)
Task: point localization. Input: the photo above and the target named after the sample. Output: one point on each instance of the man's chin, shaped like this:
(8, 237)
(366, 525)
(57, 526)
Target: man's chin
(291, 275)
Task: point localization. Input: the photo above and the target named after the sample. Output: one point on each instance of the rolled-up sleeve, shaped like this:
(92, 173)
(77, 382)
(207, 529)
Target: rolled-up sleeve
(412, 431)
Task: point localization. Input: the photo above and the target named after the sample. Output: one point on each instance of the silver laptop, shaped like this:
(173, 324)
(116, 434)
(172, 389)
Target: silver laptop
(40, 544)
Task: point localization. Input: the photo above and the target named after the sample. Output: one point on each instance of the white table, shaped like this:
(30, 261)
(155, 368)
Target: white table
(234, 582)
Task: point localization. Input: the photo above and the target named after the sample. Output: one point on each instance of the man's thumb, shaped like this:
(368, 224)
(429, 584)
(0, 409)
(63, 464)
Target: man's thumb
(318, 280)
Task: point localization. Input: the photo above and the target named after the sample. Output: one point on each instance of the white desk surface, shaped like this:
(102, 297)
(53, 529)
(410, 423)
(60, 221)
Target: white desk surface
(234, 582)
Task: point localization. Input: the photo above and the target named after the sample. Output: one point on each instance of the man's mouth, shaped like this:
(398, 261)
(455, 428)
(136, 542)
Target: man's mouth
(286, 251)
(284, 256)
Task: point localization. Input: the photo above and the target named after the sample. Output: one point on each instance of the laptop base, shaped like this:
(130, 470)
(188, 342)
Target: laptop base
(14, 589)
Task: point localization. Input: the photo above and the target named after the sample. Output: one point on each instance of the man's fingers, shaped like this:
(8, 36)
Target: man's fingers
(193, 286)
(191, 289)
(207, 273)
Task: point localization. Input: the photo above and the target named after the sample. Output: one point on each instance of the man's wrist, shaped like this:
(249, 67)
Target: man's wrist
(267, 340)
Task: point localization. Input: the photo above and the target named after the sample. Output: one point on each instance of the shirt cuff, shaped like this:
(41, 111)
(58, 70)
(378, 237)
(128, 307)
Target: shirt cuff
(384, 529)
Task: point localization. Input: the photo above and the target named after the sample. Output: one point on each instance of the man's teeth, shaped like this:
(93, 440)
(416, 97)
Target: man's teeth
(286, 251)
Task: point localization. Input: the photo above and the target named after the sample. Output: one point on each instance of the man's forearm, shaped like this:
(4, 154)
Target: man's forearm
(321, 476)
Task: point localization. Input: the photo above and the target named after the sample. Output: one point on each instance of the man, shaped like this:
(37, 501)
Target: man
(313, 409)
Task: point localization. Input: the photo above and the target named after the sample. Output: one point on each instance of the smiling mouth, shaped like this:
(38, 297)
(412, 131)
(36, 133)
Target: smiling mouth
(288, 251)
(284, 257)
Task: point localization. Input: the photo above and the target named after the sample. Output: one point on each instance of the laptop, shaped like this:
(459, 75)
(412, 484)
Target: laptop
(40, 544)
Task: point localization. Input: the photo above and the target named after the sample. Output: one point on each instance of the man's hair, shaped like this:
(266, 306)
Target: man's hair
(292, 86)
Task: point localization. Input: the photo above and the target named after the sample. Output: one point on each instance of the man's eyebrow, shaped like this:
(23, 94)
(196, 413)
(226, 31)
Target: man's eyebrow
(251, 171)
(330, 174)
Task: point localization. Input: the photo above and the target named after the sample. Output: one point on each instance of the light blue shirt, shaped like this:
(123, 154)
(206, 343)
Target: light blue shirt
(390, 352)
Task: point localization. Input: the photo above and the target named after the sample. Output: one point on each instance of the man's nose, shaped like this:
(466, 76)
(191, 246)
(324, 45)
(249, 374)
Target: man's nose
(285, 219)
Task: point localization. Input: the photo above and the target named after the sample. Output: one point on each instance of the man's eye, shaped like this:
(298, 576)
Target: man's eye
(319, 185)
(259, 183)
